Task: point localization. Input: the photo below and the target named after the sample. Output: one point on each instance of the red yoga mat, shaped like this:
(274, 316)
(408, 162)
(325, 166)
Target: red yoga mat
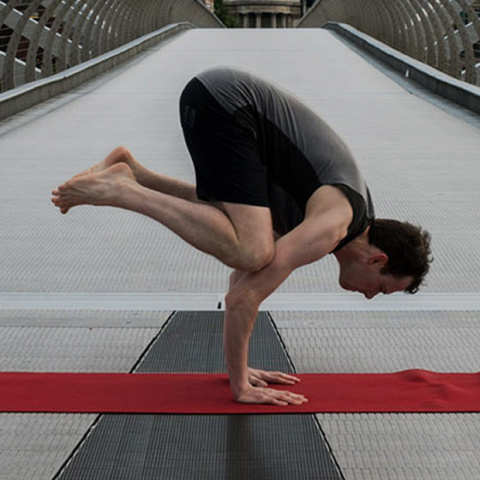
(408, 391)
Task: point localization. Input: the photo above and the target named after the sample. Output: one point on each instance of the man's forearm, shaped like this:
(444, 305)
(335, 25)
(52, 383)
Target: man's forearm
(242, 303)
(240, 315)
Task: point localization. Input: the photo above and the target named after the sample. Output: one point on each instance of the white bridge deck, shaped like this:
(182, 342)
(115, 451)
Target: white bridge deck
(421, 161)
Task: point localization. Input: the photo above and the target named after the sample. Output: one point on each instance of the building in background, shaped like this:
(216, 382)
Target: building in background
(209, 4)
(265, 13)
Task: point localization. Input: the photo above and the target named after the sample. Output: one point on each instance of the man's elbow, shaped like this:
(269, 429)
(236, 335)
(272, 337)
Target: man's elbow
(257, 259)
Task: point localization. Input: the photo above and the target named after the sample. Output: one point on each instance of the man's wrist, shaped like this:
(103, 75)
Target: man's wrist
(238, 387)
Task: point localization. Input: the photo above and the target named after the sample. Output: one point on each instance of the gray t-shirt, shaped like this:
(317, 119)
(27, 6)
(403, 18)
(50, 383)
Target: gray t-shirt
(299, 150)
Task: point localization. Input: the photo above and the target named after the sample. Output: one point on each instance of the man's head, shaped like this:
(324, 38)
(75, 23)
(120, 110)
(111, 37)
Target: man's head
(407, 248)
(390, 256)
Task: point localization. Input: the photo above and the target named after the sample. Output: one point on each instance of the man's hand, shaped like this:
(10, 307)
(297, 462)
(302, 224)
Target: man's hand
(261, 378)
(257, 393)
(269, 396)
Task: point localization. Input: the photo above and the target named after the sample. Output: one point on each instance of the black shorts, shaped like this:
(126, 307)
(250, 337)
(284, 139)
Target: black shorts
(225, 153)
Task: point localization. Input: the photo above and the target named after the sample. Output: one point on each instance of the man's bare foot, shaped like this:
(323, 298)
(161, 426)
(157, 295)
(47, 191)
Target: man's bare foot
(96, 188)
(117, 155)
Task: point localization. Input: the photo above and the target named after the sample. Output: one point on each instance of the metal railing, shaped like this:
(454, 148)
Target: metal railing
(39, 38)
(444, 34)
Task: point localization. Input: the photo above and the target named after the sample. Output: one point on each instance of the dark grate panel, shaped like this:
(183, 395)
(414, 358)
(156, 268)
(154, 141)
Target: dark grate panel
(183, 447)
(192, 342)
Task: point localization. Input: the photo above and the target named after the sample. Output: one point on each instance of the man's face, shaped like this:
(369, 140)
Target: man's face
(367, 279)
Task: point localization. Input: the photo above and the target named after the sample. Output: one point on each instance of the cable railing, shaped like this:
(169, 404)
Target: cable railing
(39, 38)
(444, 34)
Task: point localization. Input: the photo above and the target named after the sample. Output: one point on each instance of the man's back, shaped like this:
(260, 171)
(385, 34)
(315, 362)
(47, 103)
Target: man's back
(299, 151)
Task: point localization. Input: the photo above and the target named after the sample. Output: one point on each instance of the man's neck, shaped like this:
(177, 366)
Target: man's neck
(357, 248)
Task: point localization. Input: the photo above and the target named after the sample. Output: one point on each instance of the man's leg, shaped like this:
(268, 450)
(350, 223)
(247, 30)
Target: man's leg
(240, 237)
(144, 176)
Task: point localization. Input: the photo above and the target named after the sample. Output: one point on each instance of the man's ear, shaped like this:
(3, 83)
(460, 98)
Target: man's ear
(381, 259)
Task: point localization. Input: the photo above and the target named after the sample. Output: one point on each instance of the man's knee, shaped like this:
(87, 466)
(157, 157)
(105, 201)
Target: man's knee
(253, 225)
(259, 257)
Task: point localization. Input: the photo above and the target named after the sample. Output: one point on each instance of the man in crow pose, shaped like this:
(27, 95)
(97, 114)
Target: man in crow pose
(275, 189)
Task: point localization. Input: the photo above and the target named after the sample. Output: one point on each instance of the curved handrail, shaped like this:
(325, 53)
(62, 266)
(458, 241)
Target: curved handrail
(444, 34)
(39, 38)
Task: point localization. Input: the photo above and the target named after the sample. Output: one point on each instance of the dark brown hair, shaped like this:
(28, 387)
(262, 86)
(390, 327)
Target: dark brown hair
(407, 247)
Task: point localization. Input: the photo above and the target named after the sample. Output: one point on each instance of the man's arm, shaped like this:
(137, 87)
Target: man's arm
(310, 241)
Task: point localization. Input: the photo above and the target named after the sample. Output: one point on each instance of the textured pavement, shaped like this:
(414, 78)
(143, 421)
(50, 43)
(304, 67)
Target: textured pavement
(420, 158)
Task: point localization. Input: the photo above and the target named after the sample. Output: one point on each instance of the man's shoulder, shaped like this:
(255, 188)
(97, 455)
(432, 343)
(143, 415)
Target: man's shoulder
(328, 199)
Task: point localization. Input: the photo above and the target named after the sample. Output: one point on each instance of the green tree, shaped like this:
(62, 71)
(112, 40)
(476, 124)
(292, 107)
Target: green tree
(222, 13)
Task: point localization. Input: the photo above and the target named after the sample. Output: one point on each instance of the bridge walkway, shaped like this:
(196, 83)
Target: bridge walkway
(89, 291)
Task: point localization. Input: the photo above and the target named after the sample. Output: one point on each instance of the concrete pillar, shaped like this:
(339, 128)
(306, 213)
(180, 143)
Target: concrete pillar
(244, 21)
(274, 20)
(284, 21)
(258, 20)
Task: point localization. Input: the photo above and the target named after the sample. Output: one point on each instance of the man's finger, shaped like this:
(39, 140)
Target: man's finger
(288, 379)
(296, 400)
(257, 382)
(288, 397)
(279, 377)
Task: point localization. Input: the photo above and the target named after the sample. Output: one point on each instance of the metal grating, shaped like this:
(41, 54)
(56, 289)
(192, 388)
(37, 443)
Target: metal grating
(204, 446)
